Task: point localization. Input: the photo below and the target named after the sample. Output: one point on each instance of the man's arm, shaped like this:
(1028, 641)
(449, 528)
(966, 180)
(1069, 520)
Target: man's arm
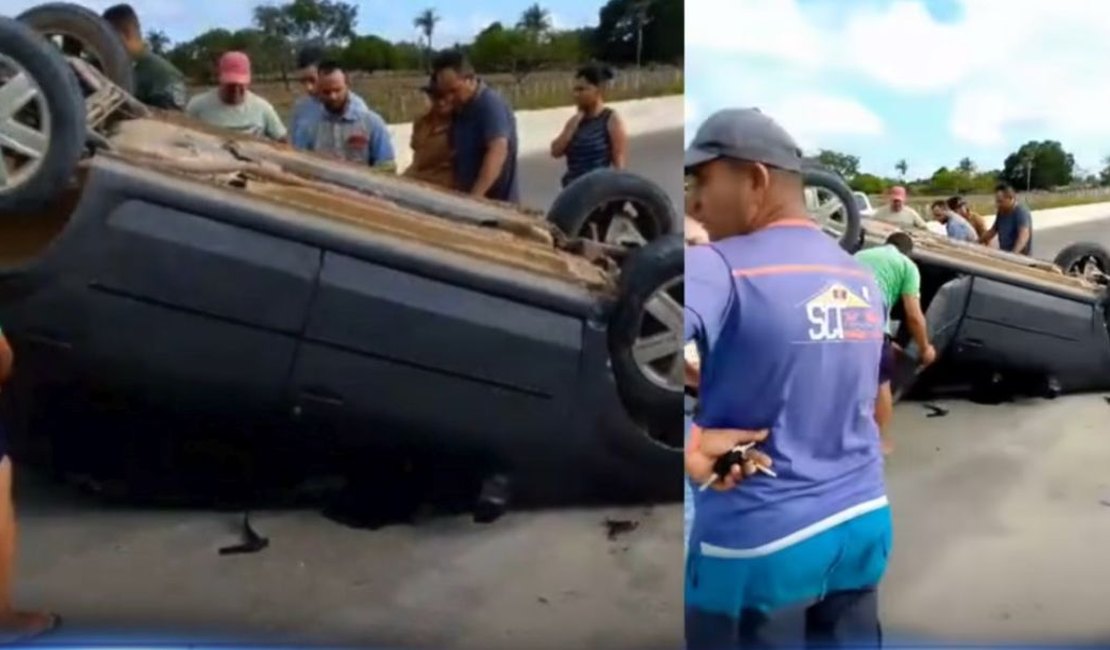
(6, 359)
(915, 317)
(990, 234)
(497, 128)
(192, 108)
(618, 141)
(272, 124)
(562, 141)
(382, 156)
(918, 222)
(710, 294)
(1025, 229)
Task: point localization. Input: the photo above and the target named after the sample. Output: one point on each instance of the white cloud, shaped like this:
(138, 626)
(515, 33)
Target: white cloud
(809, 114)
(1003, 63)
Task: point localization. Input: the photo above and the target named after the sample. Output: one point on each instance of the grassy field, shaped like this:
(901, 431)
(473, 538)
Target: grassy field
(397, 97)
(984, 203)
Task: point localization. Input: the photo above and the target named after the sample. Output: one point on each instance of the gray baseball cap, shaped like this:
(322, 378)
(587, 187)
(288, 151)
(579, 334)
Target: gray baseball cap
(743, 134)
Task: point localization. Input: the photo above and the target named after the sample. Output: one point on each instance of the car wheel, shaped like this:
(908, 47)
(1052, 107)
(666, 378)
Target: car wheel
(835, 210)
(1084, 259)
(614, 207)
(646, 338)
(81, 32)
(42, 119)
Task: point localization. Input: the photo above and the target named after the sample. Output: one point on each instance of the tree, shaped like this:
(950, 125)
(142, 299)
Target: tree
(639, 14)
(1039, 165)
(844, 164)
(658, 29)
(322, 21)
(158, 42)
(369, 53)
(426, 22)
(536, 22)
(947, 181)
(1104, 175)
(868, 184)
(966, 166)
(902, 167)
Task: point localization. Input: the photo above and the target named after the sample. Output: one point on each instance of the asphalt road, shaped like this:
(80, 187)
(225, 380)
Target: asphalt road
(657, 156)
(1002, 520)
(530, 580)
(1046, 243)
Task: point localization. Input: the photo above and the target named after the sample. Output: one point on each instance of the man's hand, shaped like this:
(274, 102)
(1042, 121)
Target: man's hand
(707, 445)
(928, 356)
(573, 122)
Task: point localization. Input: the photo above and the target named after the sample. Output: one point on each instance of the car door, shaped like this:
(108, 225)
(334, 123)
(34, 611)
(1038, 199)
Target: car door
(184, 311)
(391, 356)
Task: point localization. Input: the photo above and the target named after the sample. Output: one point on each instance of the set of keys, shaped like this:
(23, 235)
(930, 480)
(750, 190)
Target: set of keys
(735, 456)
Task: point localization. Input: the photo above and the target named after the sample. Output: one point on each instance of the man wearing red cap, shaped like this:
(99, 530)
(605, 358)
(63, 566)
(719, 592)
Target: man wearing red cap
(233, 106)
(896, 212)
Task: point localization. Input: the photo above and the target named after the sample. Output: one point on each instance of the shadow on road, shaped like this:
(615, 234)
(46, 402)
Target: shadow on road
(123, 459)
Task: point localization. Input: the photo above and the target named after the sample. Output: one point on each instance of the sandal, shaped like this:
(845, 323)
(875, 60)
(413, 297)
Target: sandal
(50, 624)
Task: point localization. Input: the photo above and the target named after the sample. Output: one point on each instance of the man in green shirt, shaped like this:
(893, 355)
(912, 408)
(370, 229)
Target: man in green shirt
(900, 280)
(157, 82)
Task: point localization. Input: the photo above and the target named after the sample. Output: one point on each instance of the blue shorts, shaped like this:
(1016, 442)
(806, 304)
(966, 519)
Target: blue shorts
(820, 591)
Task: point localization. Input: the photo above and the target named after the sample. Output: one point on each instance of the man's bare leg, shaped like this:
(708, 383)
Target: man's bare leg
(14, 625)
(884, 413)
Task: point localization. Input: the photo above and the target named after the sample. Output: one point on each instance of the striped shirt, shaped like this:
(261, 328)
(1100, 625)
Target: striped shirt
(590, 147)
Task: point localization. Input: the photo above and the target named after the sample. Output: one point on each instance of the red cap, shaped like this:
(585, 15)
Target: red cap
(235, 68)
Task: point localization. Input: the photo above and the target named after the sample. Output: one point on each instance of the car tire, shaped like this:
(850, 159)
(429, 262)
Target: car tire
(60, 95)
(1074, 254)
(579, 203)
(93, 32)
(852, 238)
(652, 275)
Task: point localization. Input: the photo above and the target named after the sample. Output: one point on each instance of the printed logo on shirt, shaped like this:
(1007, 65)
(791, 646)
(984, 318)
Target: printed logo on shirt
(358, 140)
(839, 314)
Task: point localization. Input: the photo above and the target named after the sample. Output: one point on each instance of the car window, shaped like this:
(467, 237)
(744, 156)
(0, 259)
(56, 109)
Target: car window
(861, 200)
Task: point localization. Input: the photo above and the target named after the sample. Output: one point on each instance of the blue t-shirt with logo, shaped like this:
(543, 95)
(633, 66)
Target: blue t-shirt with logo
(790, 330)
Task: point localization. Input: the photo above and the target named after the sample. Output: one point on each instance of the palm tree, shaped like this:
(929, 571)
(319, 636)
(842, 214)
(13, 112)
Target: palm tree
(157, 41)
(966, 166)
(902, 168)
(426, 22)
(535, 21)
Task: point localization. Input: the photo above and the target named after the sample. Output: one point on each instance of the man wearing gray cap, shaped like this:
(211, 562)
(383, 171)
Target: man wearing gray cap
(788, 547)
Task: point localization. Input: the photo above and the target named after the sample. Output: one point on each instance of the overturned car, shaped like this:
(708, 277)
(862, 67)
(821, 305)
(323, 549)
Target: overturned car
(1000, 322)
(150, 262)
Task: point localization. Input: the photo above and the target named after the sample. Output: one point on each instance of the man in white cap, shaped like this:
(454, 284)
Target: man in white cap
(233, 106)
(896, 211)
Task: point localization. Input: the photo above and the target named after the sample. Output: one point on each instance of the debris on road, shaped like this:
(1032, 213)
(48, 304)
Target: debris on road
(618, 527)
(252, 541)
(934, 411)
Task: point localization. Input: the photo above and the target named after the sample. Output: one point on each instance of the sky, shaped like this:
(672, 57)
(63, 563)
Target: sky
(392, 19)
(928, 81)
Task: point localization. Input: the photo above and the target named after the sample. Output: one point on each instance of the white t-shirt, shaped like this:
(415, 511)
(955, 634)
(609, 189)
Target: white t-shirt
(906, 218)
(254, 116)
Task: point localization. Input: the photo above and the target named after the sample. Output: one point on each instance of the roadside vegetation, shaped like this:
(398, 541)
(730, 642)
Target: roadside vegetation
(530, 60)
